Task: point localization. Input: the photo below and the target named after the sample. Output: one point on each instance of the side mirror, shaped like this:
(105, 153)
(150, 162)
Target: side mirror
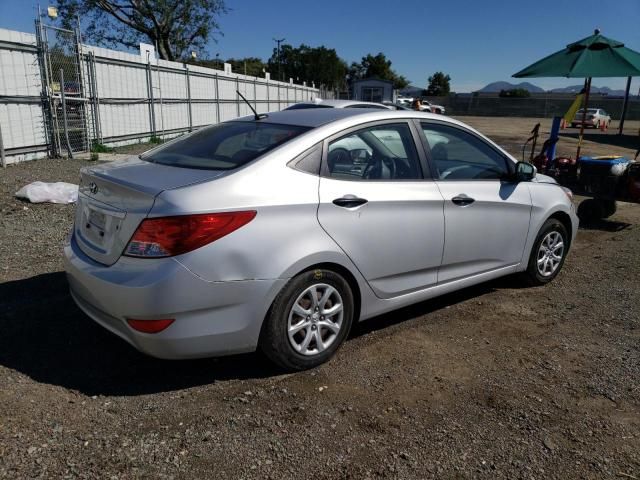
(525, 172)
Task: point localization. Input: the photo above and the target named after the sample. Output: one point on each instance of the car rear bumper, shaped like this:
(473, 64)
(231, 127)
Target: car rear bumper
(211, 318)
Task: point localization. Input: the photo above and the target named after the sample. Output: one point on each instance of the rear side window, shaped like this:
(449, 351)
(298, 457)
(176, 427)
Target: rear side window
(225, 146)
(382, 152)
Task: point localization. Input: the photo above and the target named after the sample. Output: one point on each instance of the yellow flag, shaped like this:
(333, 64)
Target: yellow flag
(571, 113)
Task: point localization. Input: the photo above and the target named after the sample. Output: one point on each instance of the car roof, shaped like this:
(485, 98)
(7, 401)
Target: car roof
(308, 117)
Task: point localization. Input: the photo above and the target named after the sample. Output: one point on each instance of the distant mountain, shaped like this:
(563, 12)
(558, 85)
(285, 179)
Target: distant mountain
(495, 87)
(578, 88)
(411, 91)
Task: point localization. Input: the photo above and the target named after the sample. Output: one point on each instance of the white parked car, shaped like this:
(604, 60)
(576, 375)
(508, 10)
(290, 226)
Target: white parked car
(430, 107)
(319, 103)
(279, 231)
(596, 117)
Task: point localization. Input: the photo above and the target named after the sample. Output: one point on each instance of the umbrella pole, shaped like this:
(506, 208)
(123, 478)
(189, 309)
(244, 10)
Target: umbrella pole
(624, 106)
(584, 115)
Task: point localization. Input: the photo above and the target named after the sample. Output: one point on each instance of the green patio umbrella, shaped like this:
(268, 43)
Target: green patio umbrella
(594, 56)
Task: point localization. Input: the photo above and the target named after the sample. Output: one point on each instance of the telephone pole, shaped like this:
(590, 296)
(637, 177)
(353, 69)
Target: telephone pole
(279, 41)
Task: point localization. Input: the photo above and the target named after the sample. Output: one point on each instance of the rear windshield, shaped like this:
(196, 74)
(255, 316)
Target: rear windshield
(304, 106)
(225, 146)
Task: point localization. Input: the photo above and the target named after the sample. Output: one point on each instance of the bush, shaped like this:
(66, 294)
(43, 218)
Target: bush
(515, 93)
(97, 147)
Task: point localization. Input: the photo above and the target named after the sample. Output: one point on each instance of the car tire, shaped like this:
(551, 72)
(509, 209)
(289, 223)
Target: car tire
(547, 256)
(593, 209)
(609, 207)
(295, 333)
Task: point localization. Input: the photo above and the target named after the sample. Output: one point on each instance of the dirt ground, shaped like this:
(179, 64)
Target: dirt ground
(496, 381)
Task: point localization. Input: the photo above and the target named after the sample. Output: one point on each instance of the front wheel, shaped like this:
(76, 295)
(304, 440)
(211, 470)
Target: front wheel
(308, 321)
(548, 253)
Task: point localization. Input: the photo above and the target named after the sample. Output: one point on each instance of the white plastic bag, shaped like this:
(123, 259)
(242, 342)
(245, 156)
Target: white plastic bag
(58, 192)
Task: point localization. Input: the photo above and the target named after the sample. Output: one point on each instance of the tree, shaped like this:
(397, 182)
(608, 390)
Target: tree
(438, 85)
(253, 66)
(377, 66)
(176, 27)
(250, 66)
(515, 93)
(312, 64)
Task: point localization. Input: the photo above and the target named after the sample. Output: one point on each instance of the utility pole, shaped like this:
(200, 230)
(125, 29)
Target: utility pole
(279, 41)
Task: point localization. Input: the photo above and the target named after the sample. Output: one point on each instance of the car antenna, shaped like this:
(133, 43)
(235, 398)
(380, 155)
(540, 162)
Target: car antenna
(256, 115)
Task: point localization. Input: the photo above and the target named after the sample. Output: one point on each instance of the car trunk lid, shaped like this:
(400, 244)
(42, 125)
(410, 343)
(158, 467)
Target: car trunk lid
(115, 197)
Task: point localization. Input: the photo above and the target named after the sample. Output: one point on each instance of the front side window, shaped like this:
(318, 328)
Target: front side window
(384, 152)
(459, 155)
(225, 146)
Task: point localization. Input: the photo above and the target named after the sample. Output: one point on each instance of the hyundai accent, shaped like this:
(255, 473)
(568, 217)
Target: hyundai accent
(280, 231)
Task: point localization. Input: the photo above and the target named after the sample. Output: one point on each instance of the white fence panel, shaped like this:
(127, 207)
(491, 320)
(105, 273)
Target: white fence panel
(21, 115)
(129, 98)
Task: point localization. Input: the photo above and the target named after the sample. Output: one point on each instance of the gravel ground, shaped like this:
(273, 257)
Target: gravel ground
(496, 381)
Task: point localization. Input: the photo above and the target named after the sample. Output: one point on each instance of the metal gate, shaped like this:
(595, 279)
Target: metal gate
(63, 94)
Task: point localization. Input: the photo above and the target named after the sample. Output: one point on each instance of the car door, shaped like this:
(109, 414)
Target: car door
(486, 217)
(377, 206)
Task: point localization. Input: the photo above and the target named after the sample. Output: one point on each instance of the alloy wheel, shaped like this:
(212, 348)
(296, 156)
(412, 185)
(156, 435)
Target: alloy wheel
(315, 319)
(550, 253)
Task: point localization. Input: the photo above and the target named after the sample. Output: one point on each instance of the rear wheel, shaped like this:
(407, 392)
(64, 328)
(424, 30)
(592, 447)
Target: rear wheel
(308, 321)
(548, 253)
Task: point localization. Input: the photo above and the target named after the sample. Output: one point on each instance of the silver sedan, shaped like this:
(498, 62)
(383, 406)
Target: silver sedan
(279, 232)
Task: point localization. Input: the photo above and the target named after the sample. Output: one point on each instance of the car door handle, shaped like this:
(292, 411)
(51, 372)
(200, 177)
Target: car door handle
(463, 200)
(349, 201)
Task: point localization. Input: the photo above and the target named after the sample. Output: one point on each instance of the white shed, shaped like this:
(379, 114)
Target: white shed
(373, 90)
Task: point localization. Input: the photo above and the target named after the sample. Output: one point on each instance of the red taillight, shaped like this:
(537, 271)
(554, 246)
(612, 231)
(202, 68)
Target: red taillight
(149, 326)
(168, 236)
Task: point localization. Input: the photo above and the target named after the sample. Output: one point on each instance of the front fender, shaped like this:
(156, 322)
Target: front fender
(547, 199)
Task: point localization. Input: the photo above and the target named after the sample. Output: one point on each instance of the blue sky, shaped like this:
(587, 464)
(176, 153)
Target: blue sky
(476, 42)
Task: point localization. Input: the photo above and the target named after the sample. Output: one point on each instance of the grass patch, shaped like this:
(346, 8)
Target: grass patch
(100, 148)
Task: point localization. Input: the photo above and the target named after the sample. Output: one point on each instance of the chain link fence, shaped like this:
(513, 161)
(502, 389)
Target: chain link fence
(64, 87)
(542, 107)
